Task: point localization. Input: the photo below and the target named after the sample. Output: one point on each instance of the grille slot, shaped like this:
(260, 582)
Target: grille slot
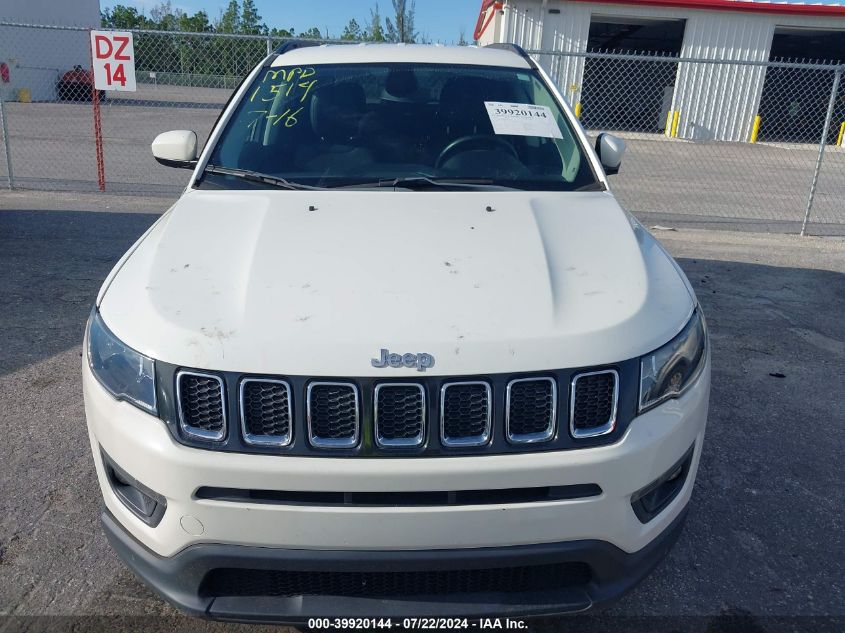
(333, 418)
(266, 418)
(396, 584)
(593, 402)
(399, 414)
(531, 407)
(405, 499)
(202, 405)
(465, 413)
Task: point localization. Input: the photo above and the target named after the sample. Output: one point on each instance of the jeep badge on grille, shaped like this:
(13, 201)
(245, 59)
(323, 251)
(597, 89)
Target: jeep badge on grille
(420, 361)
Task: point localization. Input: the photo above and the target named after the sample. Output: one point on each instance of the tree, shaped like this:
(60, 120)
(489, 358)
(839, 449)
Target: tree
(123, 17)
(251, 23)
(277, 32)
(165, 17)
(352, 31)
(197, 23)
(401, 29)
(230, 19)
(374, 32)
(312, 34)
(463, 39)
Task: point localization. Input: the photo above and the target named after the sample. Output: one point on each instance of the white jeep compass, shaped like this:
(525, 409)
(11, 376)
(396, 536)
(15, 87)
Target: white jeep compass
(396, 351)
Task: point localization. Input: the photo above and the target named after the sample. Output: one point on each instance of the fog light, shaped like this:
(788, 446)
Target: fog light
(145, 504)
(653, 499)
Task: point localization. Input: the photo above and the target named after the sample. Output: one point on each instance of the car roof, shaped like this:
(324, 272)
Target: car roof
(402, 53)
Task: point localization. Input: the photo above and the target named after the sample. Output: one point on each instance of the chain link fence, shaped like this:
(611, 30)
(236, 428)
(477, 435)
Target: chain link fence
(183, 81)
(717, 143)
(720, 144)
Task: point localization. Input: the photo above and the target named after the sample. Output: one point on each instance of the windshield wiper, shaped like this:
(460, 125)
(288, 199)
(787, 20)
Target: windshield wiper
(256, 176)
(422, 183)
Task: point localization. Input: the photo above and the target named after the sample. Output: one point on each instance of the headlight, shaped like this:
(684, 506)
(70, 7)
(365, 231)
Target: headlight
(125, 373)
(666, 372)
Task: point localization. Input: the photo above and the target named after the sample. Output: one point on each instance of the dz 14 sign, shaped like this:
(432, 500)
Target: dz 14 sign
(114, 60)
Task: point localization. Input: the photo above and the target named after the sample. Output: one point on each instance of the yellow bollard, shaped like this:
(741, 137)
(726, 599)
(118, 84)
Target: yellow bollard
(578, 110)
(841, 135)
(24, 95)
(669, 123)
(676, 119)
(755, 131)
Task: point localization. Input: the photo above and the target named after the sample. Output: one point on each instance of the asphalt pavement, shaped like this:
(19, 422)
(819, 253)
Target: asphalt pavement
(763, 546)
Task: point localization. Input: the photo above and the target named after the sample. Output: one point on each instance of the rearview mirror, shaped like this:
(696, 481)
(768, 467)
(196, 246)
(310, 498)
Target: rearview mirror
(610, 150)
(177, 148)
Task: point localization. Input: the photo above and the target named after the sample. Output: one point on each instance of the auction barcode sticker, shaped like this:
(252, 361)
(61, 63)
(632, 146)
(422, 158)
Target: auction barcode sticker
(522, 119)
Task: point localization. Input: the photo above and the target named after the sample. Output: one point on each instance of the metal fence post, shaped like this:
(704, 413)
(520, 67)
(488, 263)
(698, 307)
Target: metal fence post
(269, 45)
(837, 78)
(8, 153)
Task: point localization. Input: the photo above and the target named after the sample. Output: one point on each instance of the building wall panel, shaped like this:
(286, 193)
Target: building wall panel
(715, 102)
(719, 101)
(37, 58)
(567, 31)
(523, 24)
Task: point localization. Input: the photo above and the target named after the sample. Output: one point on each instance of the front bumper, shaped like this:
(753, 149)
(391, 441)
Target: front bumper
(180, 578)
(196, 535)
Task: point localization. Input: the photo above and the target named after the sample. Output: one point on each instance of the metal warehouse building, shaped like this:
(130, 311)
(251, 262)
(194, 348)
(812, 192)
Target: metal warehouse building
(714, 101)
(35, 58)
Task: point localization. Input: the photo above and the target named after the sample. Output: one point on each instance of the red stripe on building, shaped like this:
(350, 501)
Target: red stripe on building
(736, 5)
(486, 5)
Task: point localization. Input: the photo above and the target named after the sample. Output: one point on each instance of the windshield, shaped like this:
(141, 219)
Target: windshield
(370, 125)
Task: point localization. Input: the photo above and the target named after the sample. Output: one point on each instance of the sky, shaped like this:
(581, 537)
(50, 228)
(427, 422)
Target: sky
(437, 20)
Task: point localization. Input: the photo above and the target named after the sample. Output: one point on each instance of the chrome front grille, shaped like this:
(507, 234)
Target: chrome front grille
(399, 414)
(333, 414)
(465, 413)
(531, 406)
(266, 412)
(202, 405)
(593, 402)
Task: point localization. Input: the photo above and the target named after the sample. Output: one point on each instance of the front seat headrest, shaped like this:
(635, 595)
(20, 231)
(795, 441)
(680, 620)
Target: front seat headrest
(461, 109)
(336, 111)
(401, 85)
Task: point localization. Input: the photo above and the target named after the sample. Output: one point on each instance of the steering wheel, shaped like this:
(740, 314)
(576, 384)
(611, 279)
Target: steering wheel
(471, 143)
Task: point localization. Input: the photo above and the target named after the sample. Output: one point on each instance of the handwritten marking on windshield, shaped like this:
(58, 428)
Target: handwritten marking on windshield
(285, 82)
(289, 117)
(293, 84)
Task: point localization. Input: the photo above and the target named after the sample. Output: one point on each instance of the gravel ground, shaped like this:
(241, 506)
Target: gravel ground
(762, 549)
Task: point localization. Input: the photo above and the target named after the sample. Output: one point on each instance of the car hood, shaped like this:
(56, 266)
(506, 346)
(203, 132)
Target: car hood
(317, 283)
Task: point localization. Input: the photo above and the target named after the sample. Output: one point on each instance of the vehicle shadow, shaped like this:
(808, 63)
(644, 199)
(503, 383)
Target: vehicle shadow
(53, 264)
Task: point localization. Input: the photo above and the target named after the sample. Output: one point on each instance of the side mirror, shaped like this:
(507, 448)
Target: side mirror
(177, 148)
(610, 150)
